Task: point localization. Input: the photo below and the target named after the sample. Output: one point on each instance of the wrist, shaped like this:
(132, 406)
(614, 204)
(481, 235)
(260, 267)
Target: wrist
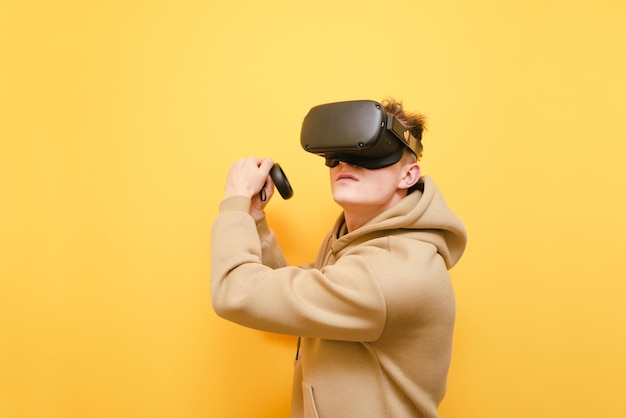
(257, 215)
(228, 193)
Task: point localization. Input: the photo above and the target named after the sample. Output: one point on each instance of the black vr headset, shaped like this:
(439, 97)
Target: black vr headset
(357, 132)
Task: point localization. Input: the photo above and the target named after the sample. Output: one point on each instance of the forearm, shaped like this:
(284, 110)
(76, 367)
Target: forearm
(288, 300)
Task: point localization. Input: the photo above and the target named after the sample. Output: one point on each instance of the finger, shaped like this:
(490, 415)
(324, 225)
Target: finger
(266, 165)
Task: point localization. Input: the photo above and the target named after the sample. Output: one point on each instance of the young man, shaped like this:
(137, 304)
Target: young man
(375, 312)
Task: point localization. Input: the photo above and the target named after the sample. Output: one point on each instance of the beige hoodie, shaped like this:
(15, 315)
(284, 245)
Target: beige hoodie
(375, 312)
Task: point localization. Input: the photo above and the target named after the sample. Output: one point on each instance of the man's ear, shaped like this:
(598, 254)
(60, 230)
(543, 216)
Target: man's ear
(411, 176)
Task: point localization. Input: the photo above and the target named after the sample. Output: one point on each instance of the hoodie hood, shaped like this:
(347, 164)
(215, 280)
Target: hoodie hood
(421, 215)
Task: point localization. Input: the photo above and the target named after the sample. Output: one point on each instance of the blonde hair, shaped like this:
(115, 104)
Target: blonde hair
(413, 121)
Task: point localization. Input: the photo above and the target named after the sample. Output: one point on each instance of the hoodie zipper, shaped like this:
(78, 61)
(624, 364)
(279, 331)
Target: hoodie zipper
(298, 348)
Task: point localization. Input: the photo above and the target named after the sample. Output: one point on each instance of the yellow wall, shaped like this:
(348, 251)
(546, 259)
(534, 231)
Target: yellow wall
(119, 119)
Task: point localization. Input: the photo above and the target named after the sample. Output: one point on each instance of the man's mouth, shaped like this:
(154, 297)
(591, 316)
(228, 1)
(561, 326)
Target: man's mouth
(346, 176)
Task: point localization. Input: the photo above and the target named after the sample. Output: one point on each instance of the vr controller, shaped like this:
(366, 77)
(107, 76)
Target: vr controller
(358, 132)
(280, 181)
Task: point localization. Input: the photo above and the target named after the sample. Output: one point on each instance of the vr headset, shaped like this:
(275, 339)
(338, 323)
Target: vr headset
(357, 132)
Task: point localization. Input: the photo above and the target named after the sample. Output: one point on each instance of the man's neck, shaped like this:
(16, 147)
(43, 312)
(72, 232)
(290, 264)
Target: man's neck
(358, 216)
(356, 221)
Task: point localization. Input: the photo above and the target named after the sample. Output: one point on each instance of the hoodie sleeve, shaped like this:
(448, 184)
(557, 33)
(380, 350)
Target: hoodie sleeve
(343, 301)
(271, 254)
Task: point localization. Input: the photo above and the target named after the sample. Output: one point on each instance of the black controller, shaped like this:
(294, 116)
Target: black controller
(280, 181)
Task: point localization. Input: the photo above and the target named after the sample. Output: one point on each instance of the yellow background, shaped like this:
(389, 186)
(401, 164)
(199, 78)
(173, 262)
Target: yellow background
(119, 120)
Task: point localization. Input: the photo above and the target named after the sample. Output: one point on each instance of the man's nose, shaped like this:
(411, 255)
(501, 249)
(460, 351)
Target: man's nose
(343, 163)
